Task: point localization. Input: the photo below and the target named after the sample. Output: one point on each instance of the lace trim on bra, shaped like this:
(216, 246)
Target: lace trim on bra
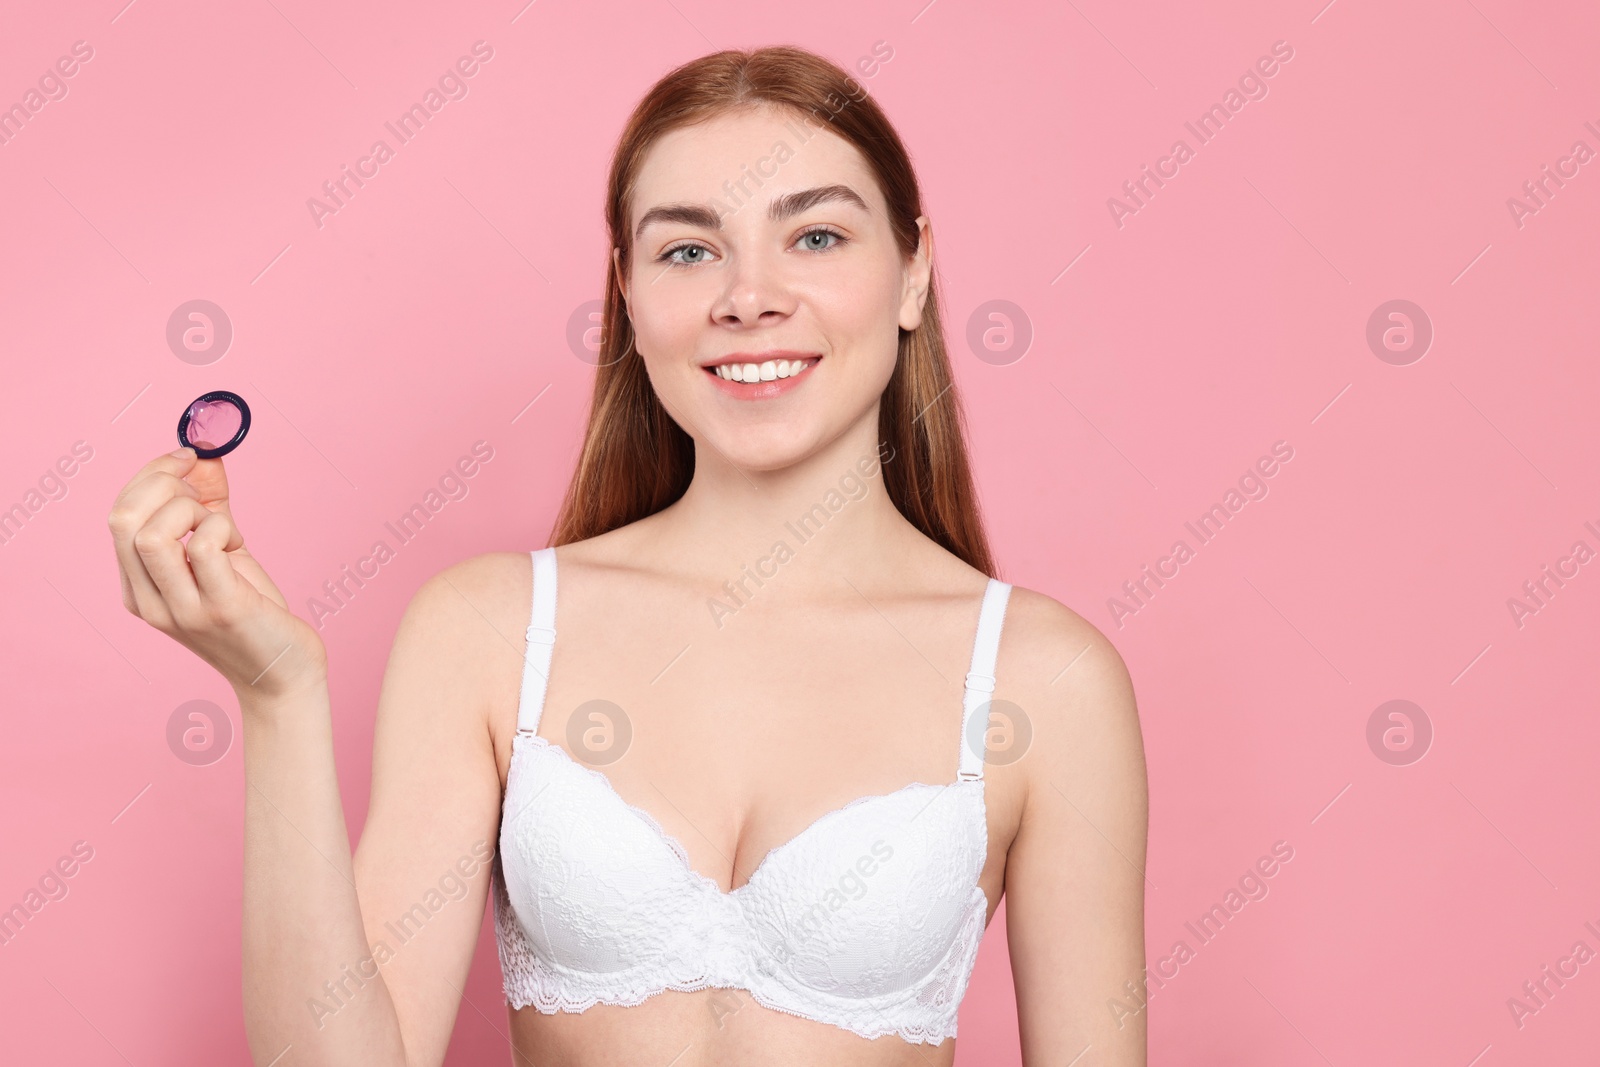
(530, 982)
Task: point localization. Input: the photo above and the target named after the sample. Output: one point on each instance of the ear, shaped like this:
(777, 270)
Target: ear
(919, 273)
(622, 281)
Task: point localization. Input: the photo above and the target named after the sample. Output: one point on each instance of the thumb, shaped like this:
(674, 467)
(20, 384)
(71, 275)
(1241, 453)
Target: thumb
(210, 479)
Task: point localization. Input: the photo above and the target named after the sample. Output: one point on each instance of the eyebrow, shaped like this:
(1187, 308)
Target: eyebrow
(781, 208)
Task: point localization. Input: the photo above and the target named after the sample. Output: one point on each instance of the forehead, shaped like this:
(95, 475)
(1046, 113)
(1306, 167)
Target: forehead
(770, 150)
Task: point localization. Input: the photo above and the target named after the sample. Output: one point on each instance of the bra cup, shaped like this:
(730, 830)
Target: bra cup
(607, 893)
(869, 901)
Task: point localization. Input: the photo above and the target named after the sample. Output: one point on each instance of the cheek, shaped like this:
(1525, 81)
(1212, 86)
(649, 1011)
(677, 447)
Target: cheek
(867, 297)
(667, 333)
(665, 325)
(863, 317)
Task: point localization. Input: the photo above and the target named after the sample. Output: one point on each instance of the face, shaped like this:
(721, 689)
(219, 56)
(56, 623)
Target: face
(757, 250)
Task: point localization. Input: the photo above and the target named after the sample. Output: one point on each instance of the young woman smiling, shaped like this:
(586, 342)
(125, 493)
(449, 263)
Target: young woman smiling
(777, 841)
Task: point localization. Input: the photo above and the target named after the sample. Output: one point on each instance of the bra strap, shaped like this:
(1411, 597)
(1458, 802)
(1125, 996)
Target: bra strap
(980, 679)
(541, 641)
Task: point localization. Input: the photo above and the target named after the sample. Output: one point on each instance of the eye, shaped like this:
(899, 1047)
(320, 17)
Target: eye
(822, 231)
(669, 255)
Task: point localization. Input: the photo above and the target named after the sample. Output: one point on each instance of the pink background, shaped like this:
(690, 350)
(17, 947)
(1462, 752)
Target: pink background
(1230, 312)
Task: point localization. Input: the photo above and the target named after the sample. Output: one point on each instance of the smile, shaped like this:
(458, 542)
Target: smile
(760, 372)
(760, 380)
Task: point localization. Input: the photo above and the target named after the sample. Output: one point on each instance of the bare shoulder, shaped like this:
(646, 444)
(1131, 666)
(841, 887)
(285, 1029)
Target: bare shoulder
(1053, 650)
(488, 591)
(1075, 692)
(467, 622)
(487, 579)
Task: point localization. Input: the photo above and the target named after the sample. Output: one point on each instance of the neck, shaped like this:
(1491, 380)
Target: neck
(803, 525)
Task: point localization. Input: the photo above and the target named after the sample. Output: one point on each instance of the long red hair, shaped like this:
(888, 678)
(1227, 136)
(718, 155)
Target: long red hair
(636, 460)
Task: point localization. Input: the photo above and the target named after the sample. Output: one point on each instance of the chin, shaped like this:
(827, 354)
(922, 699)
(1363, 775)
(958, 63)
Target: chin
(769, 447)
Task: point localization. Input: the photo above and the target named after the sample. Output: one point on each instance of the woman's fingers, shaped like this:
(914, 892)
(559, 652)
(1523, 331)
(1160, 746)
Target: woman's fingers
(186, 571)
(160, 548)
(156, 482)
(208, 546)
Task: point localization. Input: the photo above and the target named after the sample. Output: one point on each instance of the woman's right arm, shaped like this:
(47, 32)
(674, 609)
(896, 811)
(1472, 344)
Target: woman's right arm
(365, 960)
(345, 959)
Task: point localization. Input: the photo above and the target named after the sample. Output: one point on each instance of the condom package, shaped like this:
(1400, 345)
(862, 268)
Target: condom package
(214, 424)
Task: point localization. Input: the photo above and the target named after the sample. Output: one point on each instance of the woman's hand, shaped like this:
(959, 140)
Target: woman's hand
(209, 595)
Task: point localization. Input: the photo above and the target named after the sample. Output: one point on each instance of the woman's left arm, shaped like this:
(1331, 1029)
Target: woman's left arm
(1074, 887)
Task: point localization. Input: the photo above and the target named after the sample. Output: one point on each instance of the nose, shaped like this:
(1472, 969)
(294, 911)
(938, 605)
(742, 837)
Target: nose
(756, 292)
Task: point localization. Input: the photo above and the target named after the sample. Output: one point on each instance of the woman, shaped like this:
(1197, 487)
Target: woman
(760, 800)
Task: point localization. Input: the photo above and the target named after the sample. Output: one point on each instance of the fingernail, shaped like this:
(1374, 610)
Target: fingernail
(183, 453)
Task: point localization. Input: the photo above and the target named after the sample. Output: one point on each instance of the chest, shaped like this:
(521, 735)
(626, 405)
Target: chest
(734, 735)
(773, 708)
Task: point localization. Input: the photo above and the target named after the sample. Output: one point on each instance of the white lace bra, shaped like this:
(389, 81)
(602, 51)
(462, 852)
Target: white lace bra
(869, 919)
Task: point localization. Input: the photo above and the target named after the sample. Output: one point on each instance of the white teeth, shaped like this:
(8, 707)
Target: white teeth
(762, 372)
